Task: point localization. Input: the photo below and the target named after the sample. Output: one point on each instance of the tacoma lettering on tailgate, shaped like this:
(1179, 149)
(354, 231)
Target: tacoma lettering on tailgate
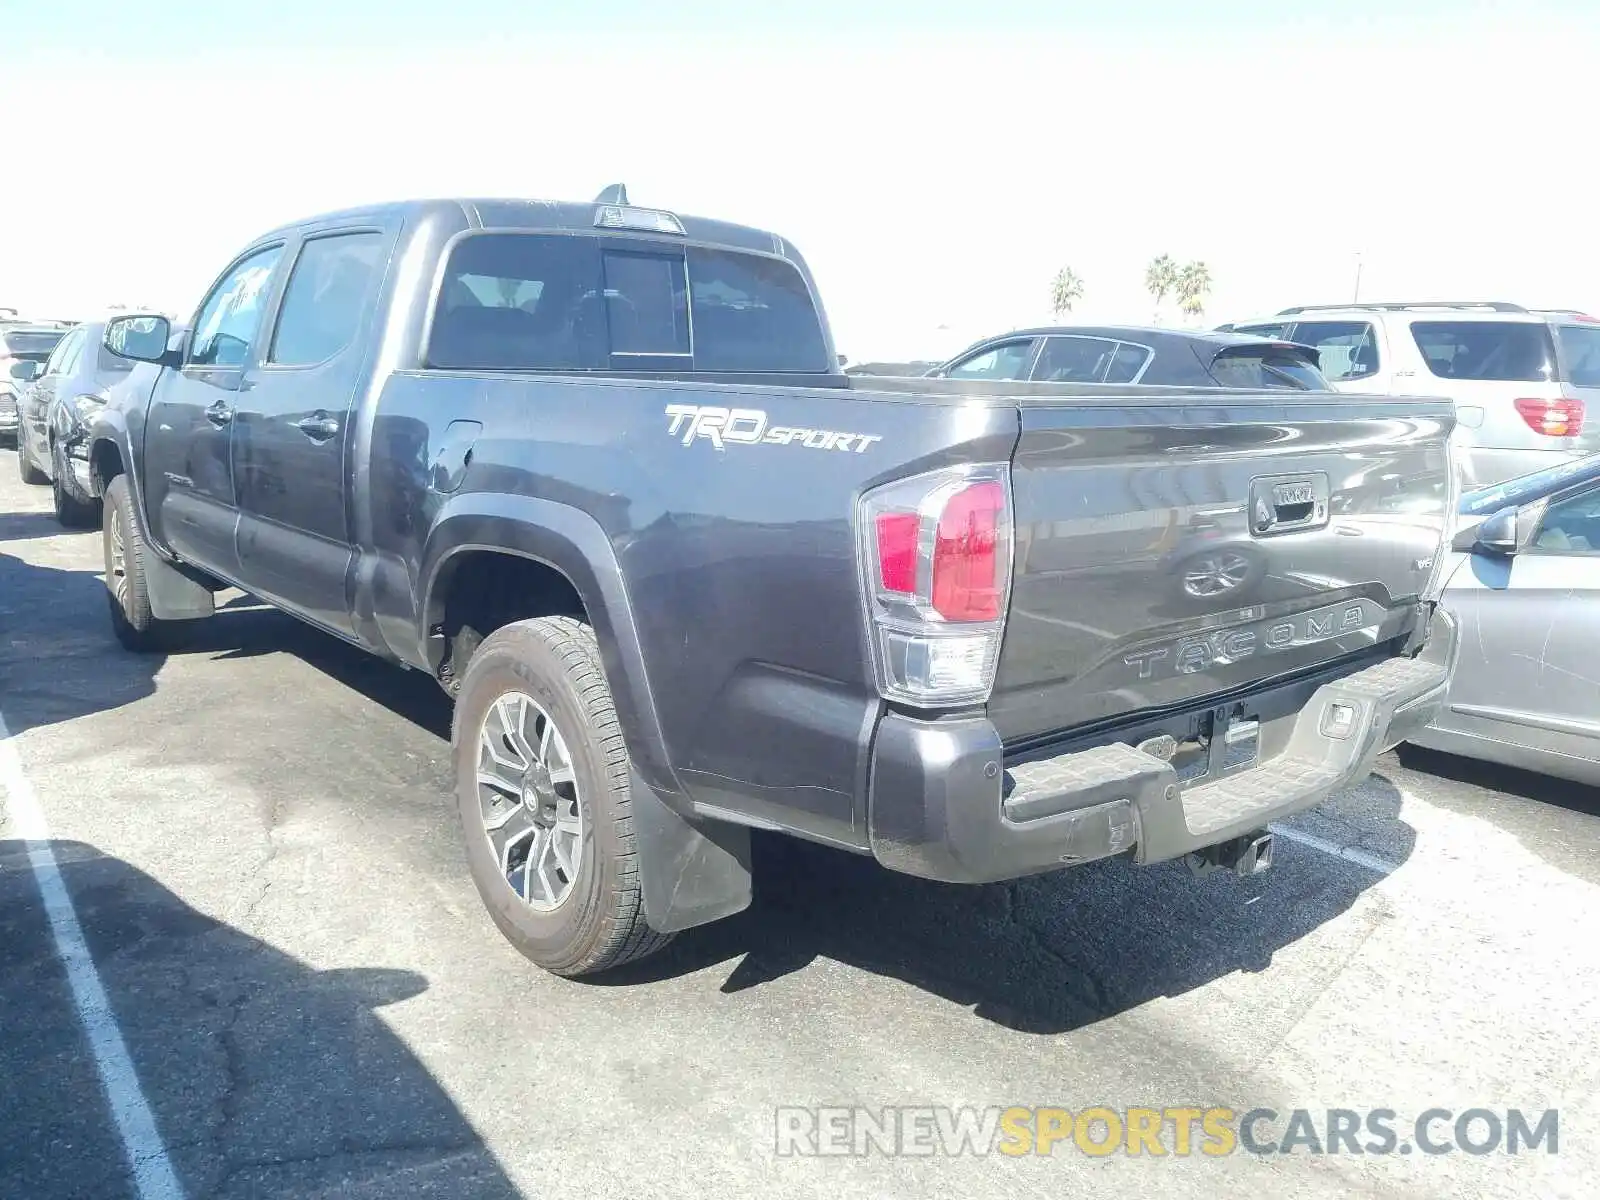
(1188, 655)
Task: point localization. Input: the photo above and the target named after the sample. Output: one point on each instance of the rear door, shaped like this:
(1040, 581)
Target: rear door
(292, 428)
(1169, 550)
(33, 406)
(188, 478)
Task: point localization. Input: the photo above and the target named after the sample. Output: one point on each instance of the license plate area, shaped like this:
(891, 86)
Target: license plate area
(1227, 743)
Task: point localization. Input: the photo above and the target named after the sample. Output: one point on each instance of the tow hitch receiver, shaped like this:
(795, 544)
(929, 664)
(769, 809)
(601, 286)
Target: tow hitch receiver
(1244, 856)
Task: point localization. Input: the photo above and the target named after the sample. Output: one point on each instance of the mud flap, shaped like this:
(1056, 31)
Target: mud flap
(173, 595)
(690, 873)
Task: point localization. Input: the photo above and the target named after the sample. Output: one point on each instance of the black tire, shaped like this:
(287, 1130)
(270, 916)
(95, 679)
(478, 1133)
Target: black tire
(71, 510)
(600, 923)
(25, 468)
(132, 621)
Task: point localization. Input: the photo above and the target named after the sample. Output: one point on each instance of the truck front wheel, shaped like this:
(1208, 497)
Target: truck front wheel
(542, 788)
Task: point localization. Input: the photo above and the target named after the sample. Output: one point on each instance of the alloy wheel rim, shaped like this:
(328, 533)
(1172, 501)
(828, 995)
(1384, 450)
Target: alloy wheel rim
(119, 558)
(529, 802)
(1216, 575)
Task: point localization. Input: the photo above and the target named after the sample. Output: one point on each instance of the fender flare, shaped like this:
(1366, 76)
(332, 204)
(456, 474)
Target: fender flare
(573, 543)
(110, 425)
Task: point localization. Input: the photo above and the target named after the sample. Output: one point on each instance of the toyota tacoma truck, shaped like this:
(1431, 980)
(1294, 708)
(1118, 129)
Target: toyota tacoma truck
(596, 468)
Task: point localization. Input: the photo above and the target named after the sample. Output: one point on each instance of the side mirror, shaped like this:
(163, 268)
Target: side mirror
(26, 370)
(844, 360)
(141, 338)
(1496, 536)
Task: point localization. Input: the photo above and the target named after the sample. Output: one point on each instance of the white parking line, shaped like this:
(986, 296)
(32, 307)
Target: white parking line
(1349, 853)
(136, 1124)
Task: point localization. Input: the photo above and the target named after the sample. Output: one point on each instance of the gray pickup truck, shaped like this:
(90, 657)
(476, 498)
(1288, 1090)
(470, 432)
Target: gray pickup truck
(595, 468)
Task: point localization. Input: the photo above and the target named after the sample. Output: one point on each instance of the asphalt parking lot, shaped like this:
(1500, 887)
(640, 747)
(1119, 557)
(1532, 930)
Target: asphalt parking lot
(253, 835)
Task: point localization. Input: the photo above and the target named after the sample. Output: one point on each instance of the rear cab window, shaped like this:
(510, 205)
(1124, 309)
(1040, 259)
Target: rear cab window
(1505, 351)
(565, 302)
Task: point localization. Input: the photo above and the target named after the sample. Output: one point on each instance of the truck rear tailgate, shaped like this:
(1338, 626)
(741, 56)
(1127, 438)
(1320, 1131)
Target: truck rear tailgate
(1174, 549)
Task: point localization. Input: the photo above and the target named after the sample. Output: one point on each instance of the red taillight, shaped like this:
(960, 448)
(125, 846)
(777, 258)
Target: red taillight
(966, 583)
(897, 551)
(1553, 418)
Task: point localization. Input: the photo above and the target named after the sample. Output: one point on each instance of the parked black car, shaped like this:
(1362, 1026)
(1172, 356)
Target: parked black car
(1138, 354)
(54, 408)
(23, 346)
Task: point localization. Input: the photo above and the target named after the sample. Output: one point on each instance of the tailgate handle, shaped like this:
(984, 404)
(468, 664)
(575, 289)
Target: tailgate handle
(1285, 503)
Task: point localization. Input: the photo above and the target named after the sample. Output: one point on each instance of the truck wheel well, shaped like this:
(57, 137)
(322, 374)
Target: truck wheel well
(483, 590)
(105, 464)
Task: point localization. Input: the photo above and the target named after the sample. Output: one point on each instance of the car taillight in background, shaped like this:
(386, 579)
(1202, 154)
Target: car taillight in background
(936, 568)
(1553, 418)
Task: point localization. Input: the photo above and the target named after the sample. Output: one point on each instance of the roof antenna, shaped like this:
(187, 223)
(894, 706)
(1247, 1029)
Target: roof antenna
(616, 193)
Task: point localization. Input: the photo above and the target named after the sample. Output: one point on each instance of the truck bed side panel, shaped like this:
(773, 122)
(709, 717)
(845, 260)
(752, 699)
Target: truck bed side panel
(737, 553)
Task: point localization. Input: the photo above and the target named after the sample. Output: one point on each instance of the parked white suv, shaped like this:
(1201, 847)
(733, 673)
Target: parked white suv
(1526, 382)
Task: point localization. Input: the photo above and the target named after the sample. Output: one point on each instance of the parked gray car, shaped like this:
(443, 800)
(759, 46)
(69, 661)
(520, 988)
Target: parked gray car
(53, 409)
(1525, 589)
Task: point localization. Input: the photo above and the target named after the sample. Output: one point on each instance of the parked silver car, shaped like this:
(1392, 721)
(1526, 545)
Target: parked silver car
(1524, 585)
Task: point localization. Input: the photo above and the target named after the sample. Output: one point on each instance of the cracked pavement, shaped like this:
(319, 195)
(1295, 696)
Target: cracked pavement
(254, 832)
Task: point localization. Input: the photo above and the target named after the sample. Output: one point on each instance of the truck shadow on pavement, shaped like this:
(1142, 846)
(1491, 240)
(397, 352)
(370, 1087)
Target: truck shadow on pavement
(59, 659)
(265, 1076)
(1047, 954)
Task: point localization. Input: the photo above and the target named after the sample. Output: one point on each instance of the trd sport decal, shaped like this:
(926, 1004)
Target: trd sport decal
(749, 426)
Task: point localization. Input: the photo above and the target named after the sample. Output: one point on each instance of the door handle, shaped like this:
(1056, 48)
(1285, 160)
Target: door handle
(219, 413)
(317, 427)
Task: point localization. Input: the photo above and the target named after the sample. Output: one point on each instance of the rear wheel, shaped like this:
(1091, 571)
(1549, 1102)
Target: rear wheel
(542, 789)
(126, 553)
(72, 511)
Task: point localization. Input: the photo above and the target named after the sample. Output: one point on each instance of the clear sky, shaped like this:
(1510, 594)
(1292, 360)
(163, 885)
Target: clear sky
(936, 162)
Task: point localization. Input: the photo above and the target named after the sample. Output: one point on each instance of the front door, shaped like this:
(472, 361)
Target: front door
(1538, 615)
(188, 479)
(292, 431)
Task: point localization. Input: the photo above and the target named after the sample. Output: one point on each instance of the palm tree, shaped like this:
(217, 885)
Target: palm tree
(1160, 278)
(1066, 291)
(1193, 288)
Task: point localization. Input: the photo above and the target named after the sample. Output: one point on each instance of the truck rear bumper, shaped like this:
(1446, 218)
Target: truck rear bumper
(944, 805)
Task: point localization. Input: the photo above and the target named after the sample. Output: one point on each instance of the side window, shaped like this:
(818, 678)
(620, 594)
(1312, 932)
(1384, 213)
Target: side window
(1509, 351)
(1074, 360)
(1571, 525)
(65, 356)
(1007, 361)
(1349, 349)
(1128, 363)
(228, 322)
(327, 292)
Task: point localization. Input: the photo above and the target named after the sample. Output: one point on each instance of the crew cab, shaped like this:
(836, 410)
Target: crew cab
(596, 468)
